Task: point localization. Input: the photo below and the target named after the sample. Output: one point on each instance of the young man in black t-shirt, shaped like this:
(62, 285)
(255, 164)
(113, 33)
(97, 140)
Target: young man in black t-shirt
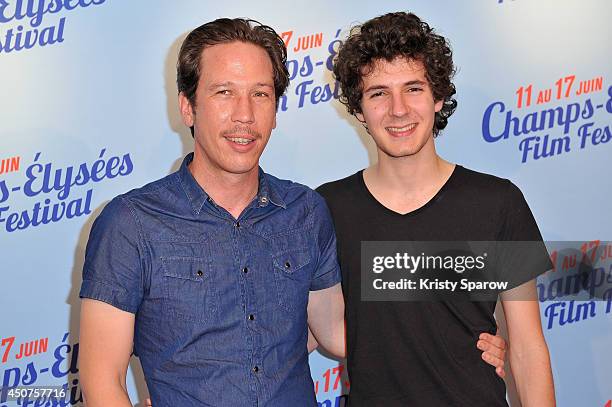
(395, 75)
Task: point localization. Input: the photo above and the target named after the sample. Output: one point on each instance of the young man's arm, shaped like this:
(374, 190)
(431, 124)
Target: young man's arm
(326, 320)
(312, 342)
(529, 358)
(105, 347)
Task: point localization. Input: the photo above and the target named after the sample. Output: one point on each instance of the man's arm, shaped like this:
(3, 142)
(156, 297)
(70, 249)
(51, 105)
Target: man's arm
(105, 347)
(326, 319)
(529, 358)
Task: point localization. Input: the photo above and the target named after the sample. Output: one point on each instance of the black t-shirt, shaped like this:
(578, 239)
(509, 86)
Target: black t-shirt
(423, 353)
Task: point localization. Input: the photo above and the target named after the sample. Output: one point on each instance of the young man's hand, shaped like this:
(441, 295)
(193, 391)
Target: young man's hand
(493, 351)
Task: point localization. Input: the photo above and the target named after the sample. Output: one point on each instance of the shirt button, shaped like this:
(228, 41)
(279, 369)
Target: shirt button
(287, 265)
(251, 317)
(237, 224)
(255, 369)
(200, 273)
(245, 270)
(263, 199)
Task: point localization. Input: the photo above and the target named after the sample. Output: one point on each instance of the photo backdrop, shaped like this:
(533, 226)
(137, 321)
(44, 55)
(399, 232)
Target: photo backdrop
(88, 110)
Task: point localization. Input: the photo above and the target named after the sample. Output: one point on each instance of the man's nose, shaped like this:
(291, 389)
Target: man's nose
(243, 110)
(399, 105)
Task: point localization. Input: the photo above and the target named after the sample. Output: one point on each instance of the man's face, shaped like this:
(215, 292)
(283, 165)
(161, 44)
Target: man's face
(398, 106)
(235, 109)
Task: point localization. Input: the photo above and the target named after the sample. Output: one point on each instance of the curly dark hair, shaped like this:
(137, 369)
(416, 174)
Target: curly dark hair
(222, 31)
(388, 37)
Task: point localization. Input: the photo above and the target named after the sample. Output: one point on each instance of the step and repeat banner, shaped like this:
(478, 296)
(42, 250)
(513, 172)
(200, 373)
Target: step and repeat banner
(88, 110)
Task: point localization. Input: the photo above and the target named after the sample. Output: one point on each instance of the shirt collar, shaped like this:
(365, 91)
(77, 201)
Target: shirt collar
(268, 192)
(196, 195)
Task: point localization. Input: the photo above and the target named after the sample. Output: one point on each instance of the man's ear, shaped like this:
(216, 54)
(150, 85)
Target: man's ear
(186, 110)
(438, 105)
(360, 117)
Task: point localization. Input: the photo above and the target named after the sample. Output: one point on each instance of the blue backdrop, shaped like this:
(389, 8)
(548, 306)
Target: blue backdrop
(89, 110)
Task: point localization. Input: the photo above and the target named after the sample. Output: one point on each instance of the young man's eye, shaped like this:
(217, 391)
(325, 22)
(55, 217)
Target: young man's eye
(376, 94)
(415, 89)
(262, 94)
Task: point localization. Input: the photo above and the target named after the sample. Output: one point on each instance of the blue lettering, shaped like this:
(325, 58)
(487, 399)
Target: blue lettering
(11, 379)
(302, 91)
(97, 169)
(486, 123)
(608, 298)
(333, 48)
(60, 356)
(588, 110)
(126, 165)
(4, 18)
(30, 375)
(4, 192)
(306, 68)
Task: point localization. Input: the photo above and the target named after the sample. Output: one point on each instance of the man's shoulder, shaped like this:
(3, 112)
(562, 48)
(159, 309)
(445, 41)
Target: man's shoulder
(482, 192)
(474, 182)
(290, 192)
(128, 203)
(158, 187)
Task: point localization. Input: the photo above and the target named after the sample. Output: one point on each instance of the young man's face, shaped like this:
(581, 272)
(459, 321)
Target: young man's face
(398, 106)
(235, 109)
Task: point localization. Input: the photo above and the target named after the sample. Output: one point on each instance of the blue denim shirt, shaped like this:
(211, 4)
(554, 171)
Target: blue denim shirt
(220, 303)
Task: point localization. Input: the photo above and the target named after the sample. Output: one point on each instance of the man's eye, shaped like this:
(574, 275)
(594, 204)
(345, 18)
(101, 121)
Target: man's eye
(261, 94)
(223, 92)
(415, 89)
(376, 94)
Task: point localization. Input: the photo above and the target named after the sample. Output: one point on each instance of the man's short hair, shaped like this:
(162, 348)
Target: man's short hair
(222, 31)
(388, 37)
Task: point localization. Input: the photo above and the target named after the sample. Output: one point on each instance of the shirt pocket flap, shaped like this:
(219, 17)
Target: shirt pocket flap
(186, 268)
(292, 261)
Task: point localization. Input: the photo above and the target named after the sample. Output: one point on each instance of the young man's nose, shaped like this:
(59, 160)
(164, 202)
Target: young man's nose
(399, 105)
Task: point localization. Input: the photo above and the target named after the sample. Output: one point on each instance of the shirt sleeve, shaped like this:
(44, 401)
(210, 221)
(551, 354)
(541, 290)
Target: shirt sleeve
(327, 271)
(113, 267)
(524, 253)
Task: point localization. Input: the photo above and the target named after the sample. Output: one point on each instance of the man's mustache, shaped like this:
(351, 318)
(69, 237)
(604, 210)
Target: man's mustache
(241, 130)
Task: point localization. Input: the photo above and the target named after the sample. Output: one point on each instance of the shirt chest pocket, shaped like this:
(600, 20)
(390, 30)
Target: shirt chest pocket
(189, 288)
(292, 273)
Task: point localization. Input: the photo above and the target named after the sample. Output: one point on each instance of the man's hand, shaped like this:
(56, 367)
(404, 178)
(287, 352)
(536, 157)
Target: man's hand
(493, 351)
(148, 403)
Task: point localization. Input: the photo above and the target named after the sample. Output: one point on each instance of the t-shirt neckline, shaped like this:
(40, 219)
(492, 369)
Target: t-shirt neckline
(416, 211)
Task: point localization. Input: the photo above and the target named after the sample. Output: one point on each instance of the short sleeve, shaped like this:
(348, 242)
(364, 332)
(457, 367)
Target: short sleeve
(113, 267)
(525, 254)
(327, 271)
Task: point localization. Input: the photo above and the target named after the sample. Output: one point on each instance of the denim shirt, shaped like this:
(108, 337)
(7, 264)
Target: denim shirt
(220, 303)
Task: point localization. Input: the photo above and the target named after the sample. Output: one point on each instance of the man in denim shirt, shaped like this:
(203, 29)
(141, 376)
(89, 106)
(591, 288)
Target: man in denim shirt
(207, 272)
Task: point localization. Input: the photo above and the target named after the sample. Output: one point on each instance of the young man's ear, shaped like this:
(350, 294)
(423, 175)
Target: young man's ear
(438, 105)
(360, 117)
(186, 110)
